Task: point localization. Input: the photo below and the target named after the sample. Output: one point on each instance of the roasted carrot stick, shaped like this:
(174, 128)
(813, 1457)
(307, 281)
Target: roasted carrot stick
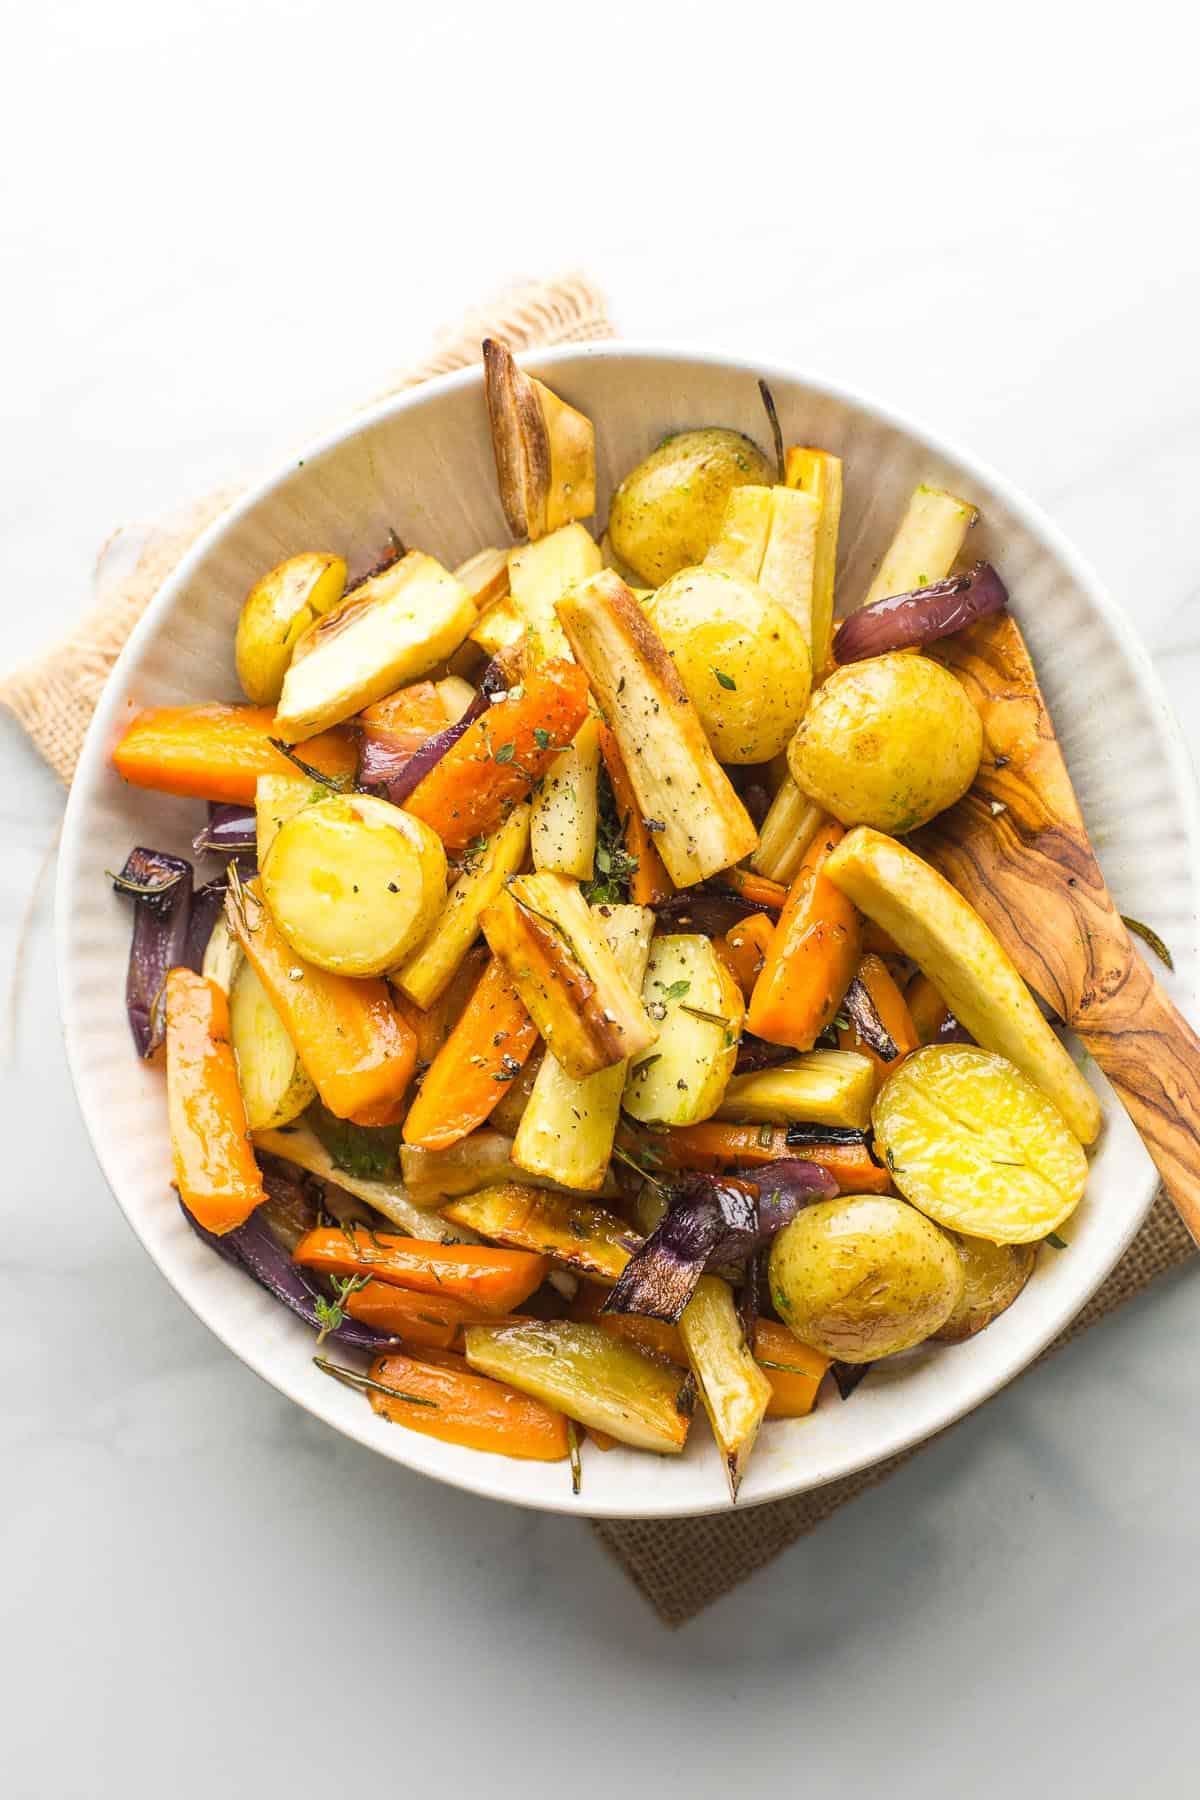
(356, 1050)
(793, 1369)
(713, 1146)
(217, 752)
(446, 1399)
(499, 758)
(812, 956)
(757, 889)
(215, 1170)
(494, 1280)
(430, 1321)
(926, 1007)
(744, 947)
(485, 1051)
(894, 1016)
(411, 715)
(649, 882)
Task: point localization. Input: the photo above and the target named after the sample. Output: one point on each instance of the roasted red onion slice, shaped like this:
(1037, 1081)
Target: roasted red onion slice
(905, 620)
(713, 1220)
(231, 831)
(864, 1016)
(253, 1246)
(208, 903)
(391, 767)
(161, 889)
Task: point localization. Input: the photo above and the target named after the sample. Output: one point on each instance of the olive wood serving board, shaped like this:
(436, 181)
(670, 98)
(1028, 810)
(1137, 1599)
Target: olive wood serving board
(1017, 848)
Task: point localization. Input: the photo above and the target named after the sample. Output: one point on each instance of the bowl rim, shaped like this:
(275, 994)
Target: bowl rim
(93, 760)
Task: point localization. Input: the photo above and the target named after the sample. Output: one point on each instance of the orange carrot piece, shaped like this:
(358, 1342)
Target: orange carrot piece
(649, 882)
(484, 1052)
(498, 759)
(894, 1016)
(357, 1051)
(757, 889)
(218, 752)
(601, 1439)
(426, 1320)
(712, 1147)
(215, 1170)
(446, 1399)
(878, 941)
(812, 956)
(412, 713)
(744, 948)
(494, 1280)
(654, 1335)
(926, 1008)
(794, 1370)
(434, 1025)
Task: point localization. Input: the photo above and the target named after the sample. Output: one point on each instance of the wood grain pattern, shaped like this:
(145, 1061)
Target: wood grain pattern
(1017, 848)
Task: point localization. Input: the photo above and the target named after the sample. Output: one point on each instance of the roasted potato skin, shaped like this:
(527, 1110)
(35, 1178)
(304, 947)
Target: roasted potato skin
(669, 509)
(994, 1274)
(864, 1276)
(277, 612)
(888, 742)
(742, 658)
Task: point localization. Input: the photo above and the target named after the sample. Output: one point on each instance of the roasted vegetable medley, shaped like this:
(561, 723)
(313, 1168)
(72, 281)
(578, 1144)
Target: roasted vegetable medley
(568, 1032)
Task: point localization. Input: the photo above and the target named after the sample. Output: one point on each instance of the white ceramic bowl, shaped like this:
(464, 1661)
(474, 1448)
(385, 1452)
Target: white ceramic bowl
(422, 463)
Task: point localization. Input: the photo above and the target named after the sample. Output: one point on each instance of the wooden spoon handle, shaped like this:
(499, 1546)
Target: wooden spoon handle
(1152, 1057)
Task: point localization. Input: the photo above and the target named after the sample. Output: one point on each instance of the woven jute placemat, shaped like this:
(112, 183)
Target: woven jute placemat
(679, 1565)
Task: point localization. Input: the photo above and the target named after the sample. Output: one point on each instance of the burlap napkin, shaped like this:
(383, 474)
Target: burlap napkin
(679, 1565)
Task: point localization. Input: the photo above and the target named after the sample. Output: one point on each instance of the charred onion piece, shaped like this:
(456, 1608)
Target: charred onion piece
(905, 620)
(208, 903)
(545, 450)
(391, 768)
(755, 1053)
(230, 831)
(161, 889)
(864, 1016)
(847, 1376)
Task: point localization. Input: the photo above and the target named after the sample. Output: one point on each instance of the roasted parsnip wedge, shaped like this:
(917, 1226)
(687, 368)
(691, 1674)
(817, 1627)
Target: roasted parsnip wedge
(949, 942)
(391, 630)
(821, 1087)
(818, 473)
(770, 536)
(735, 1392)
(607, 1384)
(299, 1143)
(275, 1089)
(927, 540)
(498, 626)
(701, 826)
(552, 944)
(698, 1008)
(540, 574)
(791, 824)
(562, 835)
(582, 1237)
(223, 956)
(545, 450)
(432, 1177)
(432, 967)
(567, 1129)
(484, 576)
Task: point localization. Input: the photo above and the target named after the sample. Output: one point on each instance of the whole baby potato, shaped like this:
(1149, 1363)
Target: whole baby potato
(864, 1276)
(743, 660)
(888, 742)
(277, 612)
(994, 1276)
(668, 511)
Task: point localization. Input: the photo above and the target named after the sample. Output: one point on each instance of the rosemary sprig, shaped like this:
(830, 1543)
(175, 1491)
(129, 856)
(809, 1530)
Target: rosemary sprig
(1151, 937)
(364, 1384)
(337, 784)
(768, 400)
(576, 1460)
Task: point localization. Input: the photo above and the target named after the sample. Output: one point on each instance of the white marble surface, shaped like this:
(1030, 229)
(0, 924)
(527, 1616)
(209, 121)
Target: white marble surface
(224, 222)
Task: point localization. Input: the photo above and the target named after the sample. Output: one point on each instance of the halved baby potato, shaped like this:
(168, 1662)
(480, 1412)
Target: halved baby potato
(976, 1146)
(354, 883)
(669, 510)
(277, 612)
(274, 1087)
(994, 1274)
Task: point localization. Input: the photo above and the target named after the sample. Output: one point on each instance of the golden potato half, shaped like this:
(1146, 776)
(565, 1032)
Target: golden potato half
(277, 612)
(668, 510)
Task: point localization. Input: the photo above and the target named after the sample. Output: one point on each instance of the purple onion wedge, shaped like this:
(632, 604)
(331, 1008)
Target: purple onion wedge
(906, 620)
(391, 767)
(208, 903)
(161, 889)
(713, 1220)
(755, 1053)
(231, 831)
(253, 1246)
(863, 1014)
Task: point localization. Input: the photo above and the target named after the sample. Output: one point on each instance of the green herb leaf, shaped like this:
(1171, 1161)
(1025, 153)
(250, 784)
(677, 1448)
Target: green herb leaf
(505, 753)
(370, 1152)
(677, 990)
(1052, 1238)
(725, 680)
(541, 737)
